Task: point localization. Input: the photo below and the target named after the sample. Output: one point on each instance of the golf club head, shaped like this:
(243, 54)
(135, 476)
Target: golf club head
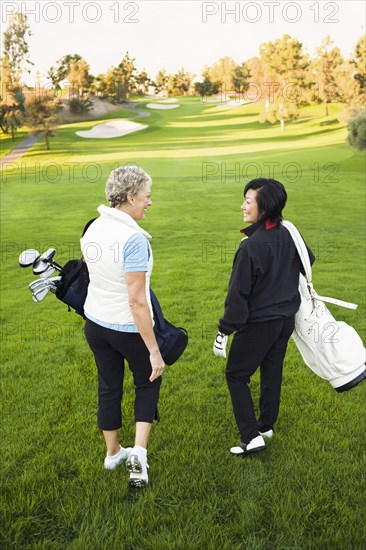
(28, 257)
(50, 271)
(39, 294)
(53, 288)
(39, 283)
(53, 284)
(48, 255)
(40, 267)
(56, 281)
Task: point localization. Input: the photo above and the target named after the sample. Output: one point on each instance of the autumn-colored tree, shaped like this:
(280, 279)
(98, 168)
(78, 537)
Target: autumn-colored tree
(161, 81)
(222, 73)
(78, 77)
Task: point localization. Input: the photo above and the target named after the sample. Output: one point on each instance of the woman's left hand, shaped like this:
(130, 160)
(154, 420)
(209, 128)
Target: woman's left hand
(157, 365)
(219, 347)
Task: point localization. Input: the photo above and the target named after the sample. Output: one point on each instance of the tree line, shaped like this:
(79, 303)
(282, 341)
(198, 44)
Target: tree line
(282, 79)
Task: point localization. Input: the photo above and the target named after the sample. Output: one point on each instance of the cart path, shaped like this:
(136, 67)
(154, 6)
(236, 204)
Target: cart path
(23, 147)
(139, 112)
(19, 150)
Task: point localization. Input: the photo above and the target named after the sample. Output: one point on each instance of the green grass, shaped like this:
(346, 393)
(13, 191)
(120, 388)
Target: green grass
(307, 490)
(7, 144)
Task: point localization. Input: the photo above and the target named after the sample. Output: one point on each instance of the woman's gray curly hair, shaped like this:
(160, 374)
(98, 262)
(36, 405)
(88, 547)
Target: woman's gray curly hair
(125, 179)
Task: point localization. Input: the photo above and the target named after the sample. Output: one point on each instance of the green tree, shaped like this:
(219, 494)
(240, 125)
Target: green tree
(142, 82)
(206, 88)
(62, 69)
(118, 82)
(179, 83)
(7, 97)
(241, 77)
(16, 48)
(325, 69)
(14, 61)
(11, 102)
(42, 116)
(284, 67)
(359, 61)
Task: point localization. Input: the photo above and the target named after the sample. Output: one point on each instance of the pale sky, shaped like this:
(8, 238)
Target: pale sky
(176, 33)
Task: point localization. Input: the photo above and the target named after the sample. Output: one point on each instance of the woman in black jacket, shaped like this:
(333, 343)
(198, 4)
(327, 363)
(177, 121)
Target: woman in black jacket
(260, 308)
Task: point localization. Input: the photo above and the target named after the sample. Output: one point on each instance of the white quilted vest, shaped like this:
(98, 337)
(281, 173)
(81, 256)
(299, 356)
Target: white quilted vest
(102, 248)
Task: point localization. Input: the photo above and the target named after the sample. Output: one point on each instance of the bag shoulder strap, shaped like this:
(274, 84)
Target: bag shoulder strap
(158, 314)
(304, 257)
(301, 248)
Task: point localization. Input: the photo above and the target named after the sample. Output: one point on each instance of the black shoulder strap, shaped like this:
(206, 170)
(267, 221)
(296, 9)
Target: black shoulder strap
(87, 226)
(158, 314)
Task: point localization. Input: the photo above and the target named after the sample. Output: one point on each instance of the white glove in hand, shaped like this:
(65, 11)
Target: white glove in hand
(219, 347)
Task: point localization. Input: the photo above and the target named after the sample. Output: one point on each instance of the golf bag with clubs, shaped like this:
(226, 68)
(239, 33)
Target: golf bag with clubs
(71, 288)
(71, 284)
(330, 348)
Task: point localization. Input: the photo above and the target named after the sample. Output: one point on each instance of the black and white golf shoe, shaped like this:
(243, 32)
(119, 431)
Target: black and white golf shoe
(255, 445)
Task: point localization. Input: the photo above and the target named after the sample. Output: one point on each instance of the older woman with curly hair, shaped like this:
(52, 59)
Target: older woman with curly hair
(119, 320)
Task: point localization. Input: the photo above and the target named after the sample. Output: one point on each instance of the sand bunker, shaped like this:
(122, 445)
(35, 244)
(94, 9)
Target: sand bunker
(112, 129)
(169, 100)
(160, 105)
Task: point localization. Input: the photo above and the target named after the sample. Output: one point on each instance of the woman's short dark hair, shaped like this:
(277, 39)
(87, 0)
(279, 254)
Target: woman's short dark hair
(271, 197)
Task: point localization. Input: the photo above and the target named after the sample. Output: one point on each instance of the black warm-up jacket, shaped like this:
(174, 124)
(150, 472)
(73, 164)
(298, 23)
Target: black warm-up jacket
(265, 278)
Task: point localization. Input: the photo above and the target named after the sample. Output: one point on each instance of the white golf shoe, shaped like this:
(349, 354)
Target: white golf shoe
(111, 462)
(137, 465)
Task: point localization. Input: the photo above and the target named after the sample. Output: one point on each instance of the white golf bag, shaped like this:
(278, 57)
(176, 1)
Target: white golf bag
(330, 348)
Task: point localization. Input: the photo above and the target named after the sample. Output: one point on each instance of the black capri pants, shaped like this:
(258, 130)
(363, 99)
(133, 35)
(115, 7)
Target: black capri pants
(261, 345)
(111, 348)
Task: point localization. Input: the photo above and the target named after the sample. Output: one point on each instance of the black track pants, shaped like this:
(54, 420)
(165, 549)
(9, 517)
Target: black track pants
(257, 345)
(110, 349)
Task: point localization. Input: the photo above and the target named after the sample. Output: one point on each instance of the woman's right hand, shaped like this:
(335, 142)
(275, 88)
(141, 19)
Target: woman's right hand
(157, 365)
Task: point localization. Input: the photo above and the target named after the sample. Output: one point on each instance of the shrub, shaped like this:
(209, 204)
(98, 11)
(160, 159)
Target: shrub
(357, 130)
(80, 105)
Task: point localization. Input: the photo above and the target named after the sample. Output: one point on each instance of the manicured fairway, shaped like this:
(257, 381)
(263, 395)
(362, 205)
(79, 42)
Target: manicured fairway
(307, 491)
